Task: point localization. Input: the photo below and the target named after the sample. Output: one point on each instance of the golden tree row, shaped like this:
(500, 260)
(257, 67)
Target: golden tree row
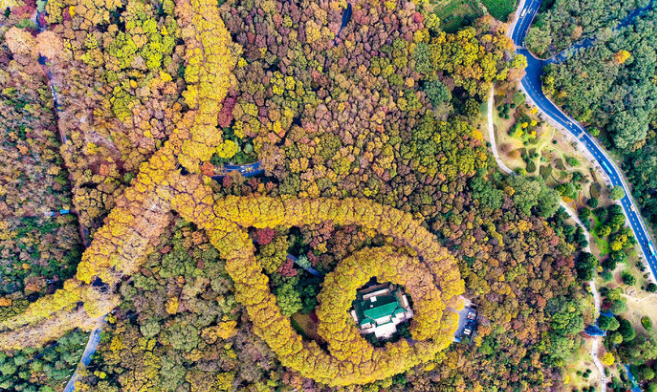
(349, 361)
(141, 215)
(261, 212)
(211, 57)
(345, 341)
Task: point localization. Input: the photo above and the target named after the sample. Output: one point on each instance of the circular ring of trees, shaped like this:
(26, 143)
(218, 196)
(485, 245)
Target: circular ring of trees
(432, 279)
(338, 329)
(142, 213)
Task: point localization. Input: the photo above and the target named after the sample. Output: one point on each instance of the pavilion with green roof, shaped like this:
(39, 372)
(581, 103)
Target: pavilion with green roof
(380, 308)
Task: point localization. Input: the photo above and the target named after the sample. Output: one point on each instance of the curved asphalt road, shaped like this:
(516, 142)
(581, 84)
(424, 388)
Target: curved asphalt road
(531, 85)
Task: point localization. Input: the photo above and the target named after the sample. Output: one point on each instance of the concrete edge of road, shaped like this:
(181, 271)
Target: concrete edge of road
(492, 134)
(516, 18)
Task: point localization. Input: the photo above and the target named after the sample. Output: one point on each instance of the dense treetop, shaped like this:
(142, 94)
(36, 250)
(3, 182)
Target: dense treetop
(611, 86)
(561, 23)
(368, 145)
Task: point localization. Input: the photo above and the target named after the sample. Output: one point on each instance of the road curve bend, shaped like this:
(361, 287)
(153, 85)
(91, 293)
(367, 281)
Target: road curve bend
(532, 87)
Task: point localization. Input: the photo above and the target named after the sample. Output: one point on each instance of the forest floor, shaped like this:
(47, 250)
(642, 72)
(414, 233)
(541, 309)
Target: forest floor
(305, 326)
(554, 154)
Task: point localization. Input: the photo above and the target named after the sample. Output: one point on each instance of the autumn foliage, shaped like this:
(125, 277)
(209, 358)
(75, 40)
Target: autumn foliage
(434, 283)
(140, 214)
(373, 162)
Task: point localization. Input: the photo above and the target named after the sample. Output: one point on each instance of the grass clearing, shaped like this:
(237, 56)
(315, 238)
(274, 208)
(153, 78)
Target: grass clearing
(548, 154)
(580, 364)
(633, 268)
(602, 245)
(304, 325)
(500, 9)
(640, 305)
(455, 14)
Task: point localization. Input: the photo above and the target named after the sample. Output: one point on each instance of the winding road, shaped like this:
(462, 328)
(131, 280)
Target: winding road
(532, 87)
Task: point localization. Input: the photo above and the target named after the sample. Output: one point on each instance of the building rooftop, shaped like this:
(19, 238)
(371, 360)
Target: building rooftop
(379, 308)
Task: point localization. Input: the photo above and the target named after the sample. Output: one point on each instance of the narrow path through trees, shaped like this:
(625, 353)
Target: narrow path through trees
(94, 337)
(89, 350)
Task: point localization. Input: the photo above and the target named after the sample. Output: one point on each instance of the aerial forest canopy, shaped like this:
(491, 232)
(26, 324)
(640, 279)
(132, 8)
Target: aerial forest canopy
(562, 23)
(374, 165)
(611, 86)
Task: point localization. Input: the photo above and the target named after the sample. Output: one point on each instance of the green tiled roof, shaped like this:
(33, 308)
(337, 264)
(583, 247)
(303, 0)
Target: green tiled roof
(385, 305)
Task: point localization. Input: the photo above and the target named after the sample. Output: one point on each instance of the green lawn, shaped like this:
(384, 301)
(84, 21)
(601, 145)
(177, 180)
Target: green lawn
(601, 243)
(603, 246)
(500, 9)
(453, 13)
